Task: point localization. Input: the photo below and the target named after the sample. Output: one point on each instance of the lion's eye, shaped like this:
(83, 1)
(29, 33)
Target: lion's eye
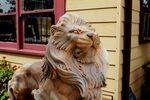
(76, 32)
(80, 31)
(73, 31)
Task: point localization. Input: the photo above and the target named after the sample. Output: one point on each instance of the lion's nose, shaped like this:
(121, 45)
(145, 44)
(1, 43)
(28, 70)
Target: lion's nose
(90, 35)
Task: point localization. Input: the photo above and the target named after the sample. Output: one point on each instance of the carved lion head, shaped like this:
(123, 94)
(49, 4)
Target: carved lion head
(75, 54)
(73, 34)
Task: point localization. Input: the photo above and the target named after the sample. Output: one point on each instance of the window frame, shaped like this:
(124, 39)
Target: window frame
(24, 48)
(141, 35)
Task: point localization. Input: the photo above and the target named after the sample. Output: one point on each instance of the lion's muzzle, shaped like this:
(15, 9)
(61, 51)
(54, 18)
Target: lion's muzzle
(96, 41)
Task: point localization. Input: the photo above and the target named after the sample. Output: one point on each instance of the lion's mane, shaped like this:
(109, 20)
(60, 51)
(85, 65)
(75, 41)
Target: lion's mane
(88, 74)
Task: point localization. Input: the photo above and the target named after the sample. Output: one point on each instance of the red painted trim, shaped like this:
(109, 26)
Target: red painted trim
(37, 11)
(8, 44)
(38, 47)
(21, 5)
(23, 30)
(8, 14)
(31, 52)
(59, 9)
(22, 51)
(19, 26)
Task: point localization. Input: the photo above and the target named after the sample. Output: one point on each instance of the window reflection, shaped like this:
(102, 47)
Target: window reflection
(37, 4)
(7, 6)
(7, 29)
(37, 28)
(145, 21)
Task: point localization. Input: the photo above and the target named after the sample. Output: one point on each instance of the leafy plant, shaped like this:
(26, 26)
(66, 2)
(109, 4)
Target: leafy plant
(6, 72)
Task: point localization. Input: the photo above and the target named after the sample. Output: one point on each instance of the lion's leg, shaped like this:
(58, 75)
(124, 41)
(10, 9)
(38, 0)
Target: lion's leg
(47, 92)
(99, 95)
(62, 97)
(10, 92)
(56, 96)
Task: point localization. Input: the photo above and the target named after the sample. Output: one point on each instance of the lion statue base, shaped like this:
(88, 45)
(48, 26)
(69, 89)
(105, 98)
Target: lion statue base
(74, 65)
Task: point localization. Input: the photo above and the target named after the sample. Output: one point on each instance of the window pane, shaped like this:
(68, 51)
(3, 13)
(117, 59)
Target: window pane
(37, 4)
(146, 26)
(7, 28)
(36, 28)
(146, 3)
(7, 6)
(145, 21)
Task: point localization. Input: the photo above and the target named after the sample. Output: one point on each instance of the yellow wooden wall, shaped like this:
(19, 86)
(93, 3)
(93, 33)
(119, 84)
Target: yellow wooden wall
(18, 59)
(140, 53)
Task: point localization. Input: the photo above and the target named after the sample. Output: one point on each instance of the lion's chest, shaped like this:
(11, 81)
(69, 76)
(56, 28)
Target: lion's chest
(65, 90)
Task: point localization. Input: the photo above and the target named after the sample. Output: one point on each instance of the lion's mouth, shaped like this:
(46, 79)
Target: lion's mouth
(96, 41)
(88, 41)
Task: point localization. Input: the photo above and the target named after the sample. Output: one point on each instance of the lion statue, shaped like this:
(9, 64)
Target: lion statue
(75, 62)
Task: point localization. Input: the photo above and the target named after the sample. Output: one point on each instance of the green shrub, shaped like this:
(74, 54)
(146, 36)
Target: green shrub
(6, 72)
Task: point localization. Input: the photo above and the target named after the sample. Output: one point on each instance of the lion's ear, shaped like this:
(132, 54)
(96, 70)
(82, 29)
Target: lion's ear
(53, 29)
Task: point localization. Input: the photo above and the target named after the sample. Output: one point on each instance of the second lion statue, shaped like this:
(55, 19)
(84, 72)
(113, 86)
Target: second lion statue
(75, 62)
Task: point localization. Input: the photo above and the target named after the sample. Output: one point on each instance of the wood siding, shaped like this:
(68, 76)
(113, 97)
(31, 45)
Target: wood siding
(139, 52)
(19, 59)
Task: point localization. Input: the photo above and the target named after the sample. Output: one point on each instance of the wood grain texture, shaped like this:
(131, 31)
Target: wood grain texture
(105, 29)
(136, 5)
(19, 59)
(109, 43)
(98, 15)
(89, 4)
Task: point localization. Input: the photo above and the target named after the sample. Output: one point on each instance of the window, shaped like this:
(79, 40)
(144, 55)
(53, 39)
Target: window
(37, 26)
(7, 28)
(37, 4)
(145, 21)
(25, 24)
(7, 23)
